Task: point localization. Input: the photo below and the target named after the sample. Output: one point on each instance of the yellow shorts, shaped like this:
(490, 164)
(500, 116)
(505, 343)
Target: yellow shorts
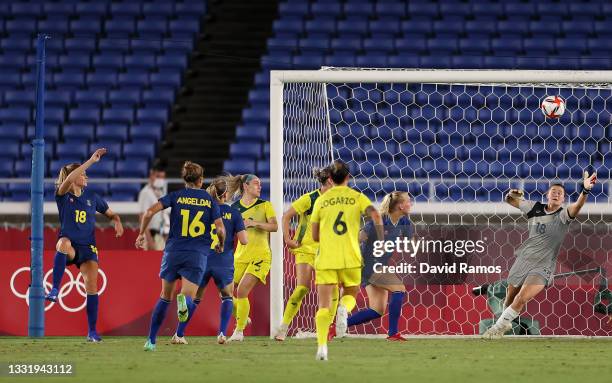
(259, 268)
(344, 277)
(307, 258)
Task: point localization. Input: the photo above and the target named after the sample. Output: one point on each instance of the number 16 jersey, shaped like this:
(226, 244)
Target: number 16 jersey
(193, 213)
(338, 213)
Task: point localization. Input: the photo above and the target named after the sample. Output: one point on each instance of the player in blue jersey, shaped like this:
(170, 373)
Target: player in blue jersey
(192, 217)
(220, 267)
(76, 244)
(395, 208)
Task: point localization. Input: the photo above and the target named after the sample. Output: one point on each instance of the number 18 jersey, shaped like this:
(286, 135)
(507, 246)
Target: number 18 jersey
(193, 213)
(338, 213)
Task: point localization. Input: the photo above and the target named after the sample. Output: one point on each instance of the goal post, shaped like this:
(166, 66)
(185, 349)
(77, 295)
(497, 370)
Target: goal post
(456, 140)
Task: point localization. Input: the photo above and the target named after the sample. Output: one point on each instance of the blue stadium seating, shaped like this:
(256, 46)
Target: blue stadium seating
(99, 88)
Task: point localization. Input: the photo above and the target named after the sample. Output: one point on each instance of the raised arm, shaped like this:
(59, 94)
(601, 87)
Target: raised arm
(514, 197)
(144, 223)
(289, 214)
(67, 184)
(587, 185)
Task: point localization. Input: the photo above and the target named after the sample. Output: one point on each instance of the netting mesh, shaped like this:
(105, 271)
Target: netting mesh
(457, 148)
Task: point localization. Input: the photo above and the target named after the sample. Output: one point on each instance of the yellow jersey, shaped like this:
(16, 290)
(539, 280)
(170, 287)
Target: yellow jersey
(258, 247)
(338, 213)
(303, 233)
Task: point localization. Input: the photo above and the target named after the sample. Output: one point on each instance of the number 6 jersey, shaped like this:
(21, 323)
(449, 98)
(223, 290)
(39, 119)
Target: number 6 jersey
(193, 213)
(78, 216)
(338, 213)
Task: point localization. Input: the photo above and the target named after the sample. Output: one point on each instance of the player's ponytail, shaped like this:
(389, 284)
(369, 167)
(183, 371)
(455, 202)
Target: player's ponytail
(339, 171)
(192, 173)
(391, 201)
(64, 171)
(235, 184)
(321, 174)
(218, 187)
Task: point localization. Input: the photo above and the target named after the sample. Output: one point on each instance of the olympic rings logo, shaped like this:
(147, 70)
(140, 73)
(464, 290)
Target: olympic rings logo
(77, 284)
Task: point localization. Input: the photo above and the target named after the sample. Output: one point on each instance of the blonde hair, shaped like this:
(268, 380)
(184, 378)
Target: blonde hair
(192, 172)
(218, 187)
(235, 184)
(391, 200)
(64, 171)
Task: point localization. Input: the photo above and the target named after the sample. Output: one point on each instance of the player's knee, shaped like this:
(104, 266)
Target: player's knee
(63, 245)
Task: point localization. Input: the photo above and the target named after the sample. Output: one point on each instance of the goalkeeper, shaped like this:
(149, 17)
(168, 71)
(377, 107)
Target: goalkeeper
(536, 258)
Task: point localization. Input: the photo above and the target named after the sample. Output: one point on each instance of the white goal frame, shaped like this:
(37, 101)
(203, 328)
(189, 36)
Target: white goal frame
(349, 75)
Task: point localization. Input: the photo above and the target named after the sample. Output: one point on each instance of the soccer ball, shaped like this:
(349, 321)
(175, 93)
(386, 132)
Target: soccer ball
(553, 106)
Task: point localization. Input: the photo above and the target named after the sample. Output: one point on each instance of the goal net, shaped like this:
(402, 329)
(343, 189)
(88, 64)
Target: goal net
(457, 141)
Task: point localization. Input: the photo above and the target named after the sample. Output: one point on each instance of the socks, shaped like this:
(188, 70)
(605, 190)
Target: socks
(191, 306)
(159, 313)
(334, 304)
(59, 266)
(322, 320)
(363, 316)
(294, 303)
(395, 311)
(92, 311)
(227, 303)
(349, 302)
(242, 312)
(507, 317)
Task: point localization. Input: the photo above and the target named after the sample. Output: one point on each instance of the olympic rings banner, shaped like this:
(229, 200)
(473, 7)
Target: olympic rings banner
(128, 285)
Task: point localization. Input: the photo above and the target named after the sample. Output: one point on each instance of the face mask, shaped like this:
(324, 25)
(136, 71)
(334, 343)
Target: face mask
(159, 183)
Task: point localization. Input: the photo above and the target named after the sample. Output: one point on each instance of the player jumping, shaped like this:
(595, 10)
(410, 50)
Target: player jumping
(536, 258)
(193, 213)
(336, 219)
(77, 242)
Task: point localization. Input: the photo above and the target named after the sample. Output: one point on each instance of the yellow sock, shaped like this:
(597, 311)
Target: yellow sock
(242, 312)
(234, 307)
(323, 322)
(334, 304)
(349, 302)
(294, 303)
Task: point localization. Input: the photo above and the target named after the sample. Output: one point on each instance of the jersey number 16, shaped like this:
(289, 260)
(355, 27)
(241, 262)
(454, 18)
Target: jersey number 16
(195, 228)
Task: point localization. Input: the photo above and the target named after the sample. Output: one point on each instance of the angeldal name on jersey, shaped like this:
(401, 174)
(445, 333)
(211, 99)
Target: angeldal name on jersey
(193, 201)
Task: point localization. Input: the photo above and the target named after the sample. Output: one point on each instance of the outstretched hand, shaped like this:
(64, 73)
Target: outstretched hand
(515, 193)
(589, 180)
(95, 157)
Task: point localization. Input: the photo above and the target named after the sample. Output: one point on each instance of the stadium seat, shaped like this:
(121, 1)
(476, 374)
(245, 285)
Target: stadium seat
(132, 168)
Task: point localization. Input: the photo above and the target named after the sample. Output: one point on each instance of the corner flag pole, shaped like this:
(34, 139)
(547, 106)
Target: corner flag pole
(36, 294)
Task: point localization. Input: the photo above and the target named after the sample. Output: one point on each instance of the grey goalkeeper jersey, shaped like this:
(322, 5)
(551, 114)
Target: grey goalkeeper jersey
(546, 234)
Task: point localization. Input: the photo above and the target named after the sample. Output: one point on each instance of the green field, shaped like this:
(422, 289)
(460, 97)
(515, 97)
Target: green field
(121, 359)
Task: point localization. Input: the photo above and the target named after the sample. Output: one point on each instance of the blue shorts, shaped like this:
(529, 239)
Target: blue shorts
(222, 276)
(83, 253)
(185, 264)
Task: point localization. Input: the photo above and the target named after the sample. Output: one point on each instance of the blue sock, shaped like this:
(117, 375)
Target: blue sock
(59, 265)
(92, 311)
(191, 306)
(363, 316)
(159, 313)
(227, 304)
(395, 310)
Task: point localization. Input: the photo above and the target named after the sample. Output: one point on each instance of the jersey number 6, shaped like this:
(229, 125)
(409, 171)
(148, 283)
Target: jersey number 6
(339, 225)
(195, 228)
